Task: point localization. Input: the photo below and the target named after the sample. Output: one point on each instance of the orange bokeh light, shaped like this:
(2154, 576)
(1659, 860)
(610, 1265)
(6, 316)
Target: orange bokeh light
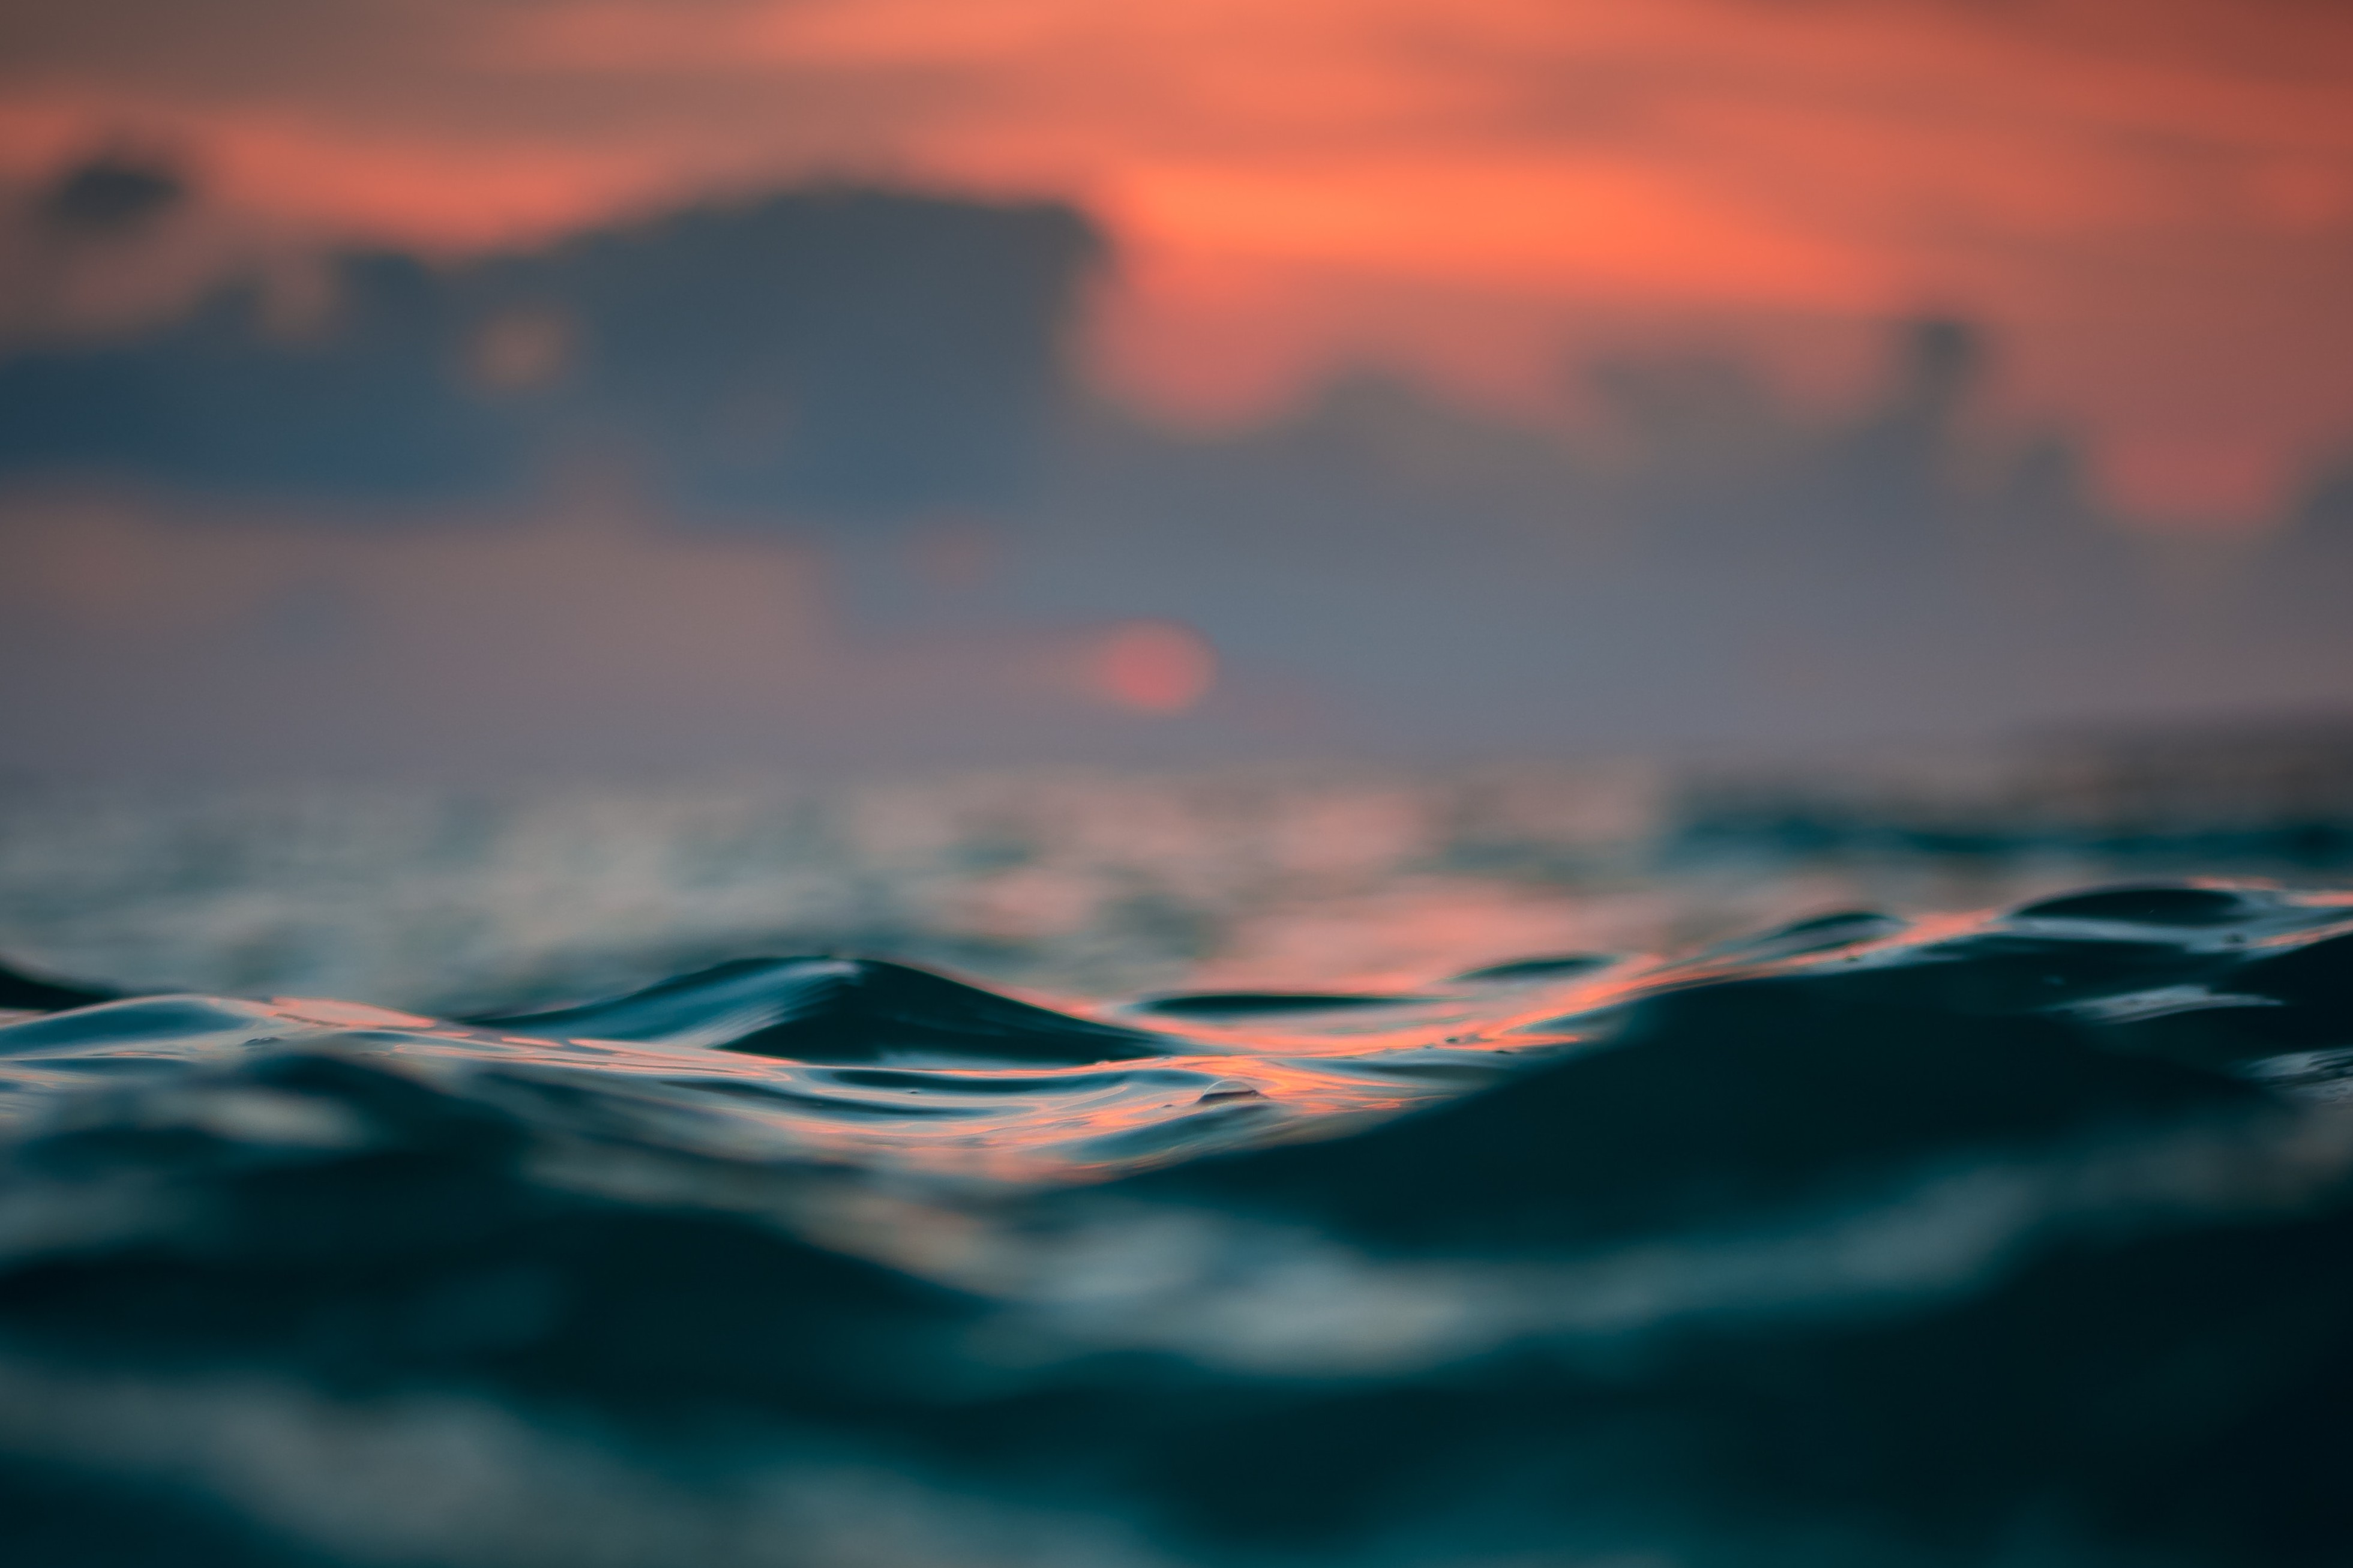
(1151, 667)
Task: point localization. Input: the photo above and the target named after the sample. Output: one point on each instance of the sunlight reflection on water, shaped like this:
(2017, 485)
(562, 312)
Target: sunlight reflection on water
(446, 898)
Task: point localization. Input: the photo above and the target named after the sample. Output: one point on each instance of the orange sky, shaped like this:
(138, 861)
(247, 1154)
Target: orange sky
(2151, 200)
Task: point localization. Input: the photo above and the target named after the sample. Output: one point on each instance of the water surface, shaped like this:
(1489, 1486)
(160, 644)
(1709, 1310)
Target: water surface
(2018, 1238)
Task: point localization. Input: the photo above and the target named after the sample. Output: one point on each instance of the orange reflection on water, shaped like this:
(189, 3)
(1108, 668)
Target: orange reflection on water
(1182, 1076)
(1241, 1082)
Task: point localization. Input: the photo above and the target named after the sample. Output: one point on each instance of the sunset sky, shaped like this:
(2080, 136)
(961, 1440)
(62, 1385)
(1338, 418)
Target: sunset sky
(2150, 201)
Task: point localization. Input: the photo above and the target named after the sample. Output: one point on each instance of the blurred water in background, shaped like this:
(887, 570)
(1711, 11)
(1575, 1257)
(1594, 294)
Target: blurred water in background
(447, 898)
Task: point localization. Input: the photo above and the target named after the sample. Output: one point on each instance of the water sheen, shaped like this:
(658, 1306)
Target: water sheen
(2022, 1237)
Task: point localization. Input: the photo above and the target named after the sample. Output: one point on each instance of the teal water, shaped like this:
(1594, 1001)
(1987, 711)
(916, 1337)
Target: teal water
(1972, 1238)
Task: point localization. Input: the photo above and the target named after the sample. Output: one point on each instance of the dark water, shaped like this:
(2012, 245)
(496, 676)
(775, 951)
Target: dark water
(2023, 1239)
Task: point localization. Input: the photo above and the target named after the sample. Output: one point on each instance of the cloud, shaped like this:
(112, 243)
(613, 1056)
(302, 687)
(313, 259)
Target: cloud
(2100, 178)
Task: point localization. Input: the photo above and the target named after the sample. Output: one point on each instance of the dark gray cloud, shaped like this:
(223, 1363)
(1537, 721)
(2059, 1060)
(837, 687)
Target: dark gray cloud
(831, 350)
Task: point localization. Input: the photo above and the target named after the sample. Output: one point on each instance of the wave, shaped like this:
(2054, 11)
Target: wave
(2013, 1237)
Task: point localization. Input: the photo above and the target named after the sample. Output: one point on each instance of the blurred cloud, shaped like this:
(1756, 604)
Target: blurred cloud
(114, 194)
(802, 478)
(2152, 201)
(830, 350)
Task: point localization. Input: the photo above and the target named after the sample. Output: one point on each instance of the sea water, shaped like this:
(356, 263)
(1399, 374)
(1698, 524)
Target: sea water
(2011, 1235)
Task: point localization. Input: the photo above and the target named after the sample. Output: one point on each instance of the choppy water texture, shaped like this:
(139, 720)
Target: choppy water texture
(2018, 1239)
